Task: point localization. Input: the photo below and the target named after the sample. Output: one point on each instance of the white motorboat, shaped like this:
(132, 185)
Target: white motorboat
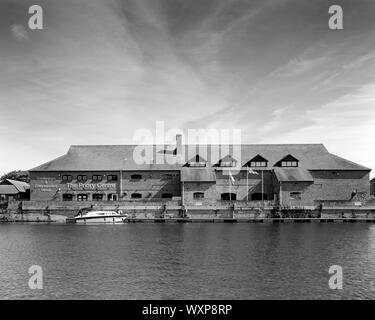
(100, 217)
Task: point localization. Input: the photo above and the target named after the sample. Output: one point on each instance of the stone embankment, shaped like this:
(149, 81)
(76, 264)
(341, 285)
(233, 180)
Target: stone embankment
(173, 211)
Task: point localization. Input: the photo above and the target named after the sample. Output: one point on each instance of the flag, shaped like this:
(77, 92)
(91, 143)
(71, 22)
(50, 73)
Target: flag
(252, 171)
(231, 177)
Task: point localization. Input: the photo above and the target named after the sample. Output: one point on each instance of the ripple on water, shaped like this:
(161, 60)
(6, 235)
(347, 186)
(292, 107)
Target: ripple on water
(192, 261)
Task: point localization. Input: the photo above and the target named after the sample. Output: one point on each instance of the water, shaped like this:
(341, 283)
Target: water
(191, 261)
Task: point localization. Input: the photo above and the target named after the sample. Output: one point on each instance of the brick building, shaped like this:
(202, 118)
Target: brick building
(372, 187)
(297, 174)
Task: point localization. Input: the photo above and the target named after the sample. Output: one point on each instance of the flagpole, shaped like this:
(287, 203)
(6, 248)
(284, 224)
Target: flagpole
(230, 189)
(262, 188)
(247, 185)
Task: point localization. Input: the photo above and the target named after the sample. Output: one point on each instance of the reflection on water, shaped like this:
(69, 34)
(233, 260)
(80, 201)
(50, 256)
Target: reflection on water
(192, 261)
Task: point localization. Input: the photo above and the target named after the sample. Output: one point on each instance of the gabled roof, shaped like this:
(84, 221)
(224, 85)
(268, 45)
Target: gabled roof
(8, 189)
(227, 158)
(120, 157)
(257, 158)
(197, 158)
(293, 175)
(288, 157)
(20, 186)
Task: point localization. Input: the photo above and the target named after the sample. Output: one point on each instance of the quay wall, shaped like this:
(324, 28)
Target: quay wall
(59, 211)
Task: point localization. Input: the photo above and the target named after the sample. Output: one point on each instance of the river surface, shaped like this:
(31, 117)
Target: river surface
(187, 261)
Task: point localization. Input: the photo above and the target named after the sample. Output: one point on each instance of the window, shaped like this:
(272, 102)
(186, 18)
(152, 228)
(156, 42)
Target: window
(136, 177)
(296, 196)
(97, 197)
(197, 164)
(136, 196)
(67, 178)
(67, 197)
(198, 195)
(82, 197)
(227, 164)
(228, 196)
(81, 177)
(258, 161)
(112, 197)
(197, 161)
(112, 177)
(258, 164)
(289, 163)
(167, 195)
(97, 177)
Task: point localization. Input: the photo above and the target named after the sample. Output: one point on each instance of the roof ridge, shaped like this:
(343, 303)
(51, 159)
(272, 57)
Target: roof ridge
(205, 144)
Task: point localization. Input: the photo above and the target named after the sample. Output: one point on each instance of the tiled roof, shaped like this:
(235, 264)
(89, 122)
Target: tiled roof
(20, 186)
(120, 157)
(293, 174)
(195, 174)
(8, 189)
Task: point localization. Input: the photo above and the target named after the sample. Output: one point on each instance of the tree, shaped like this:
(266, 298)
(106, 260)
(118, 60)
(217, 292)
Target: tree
(18, 175)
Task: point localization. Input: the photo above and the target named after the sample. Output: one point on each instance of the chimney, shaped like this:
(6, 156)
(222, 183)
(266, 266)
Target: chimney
(179, 145)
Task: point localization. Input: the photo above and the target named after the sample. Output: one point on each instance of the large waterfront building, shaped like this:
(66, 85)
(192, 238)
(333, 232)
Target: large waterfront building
(290, 175)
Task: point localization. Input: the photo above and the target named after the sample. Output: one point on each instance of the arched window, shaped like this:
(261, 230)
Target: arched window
(112, 177)
(198, 195)
(67, 178)
(167, 195)
(67, 197)
(136, 177)
(97, 177)
(81, 177)
(136, 196)
(228, 196)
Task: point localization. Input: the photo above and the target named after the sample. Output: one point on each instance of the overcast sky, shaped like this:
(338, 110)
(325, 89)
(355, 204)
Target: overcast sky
(100, 69)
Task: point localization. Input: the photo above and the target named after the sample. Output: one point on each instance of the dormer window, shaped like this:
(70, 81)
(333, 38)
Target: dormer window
(197, 164)
(258, 162)
(227, 161)
(197, 161)
(227, 164)
(287, 162)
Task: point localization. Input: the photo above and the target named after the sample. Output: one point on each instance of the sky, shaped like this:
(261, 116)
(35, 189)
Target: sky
(102, 69)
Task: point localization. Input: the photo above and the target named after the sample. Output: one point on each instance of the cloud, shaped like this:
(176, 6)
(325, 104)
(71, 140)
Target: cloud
(102, 69)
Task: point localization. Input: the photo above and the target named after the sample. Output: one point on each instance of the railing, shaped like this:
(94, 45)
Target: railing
(348, 203)
(229, 203)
